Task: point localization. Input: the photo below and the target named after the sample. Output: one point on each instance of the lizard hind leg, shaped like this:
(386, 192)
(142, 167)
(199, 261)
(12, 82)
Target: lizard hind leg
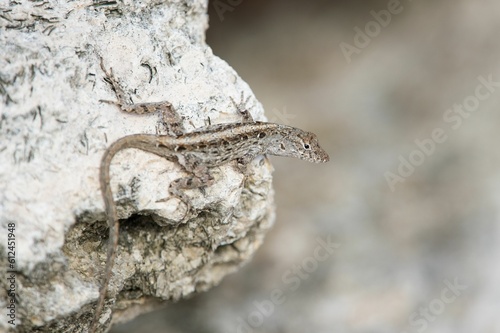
(191, 182)
(199, 177)
(171, 120)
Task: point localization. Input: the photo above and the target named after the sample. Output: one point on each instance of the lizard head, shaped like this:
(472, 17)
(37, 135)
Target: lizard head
(294, 142)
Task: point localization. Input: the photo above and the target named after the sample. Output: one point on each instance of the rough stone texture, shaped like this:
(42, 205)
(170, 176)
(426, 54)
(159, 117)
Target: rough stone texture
(54, 130)
(396, 248)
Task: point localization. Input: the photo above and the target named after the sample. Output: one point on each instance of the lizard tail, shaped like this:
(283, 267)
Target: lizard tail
(131, 141)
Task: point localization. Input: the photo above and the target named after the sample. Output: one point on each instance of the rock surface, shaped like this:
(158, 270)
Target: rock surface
(54, 130)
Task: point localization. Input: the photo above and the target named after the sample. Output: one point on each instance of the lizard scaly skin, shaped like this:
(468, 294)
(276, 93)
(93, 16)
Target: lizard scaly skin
(197, 152)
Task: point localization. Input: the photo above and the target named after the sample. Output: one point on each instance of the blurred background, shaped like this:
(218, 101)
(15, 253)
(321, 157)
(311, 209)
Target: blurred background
(399, 232)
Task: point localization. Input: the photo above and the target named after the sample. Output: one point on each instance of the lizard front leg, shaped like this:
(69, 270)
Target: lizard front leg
(242, 109)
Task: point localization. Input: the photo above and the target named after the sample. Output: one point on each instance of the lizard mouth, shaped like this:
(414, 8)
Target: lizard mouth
(320, 157)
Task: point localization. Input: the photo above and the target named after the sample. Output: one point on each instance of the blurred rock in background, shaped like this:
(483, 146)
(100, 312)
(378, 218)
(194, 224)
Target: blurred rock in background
(404, 95)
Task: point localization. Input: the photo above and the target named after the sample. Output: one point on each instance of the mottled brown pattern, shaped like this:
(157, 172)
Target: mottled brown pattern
(197, 152)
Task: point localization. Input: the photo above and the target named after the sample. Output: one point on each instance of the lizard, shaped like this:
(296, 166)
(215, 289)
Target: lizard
(196, 153)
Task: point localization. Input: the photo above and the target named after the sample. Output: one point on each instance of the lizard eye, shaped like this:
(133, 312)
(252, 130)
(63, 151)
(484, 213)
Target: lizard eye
(306, 146)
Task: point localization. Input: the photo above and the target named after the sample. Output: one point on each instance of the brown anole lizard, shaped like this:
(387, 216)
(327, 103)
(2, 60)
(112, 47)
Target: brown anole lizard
(196, 152)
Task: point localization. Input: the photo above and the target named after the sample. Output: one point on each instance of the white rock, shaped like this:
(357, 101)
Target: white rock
(54, 130)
